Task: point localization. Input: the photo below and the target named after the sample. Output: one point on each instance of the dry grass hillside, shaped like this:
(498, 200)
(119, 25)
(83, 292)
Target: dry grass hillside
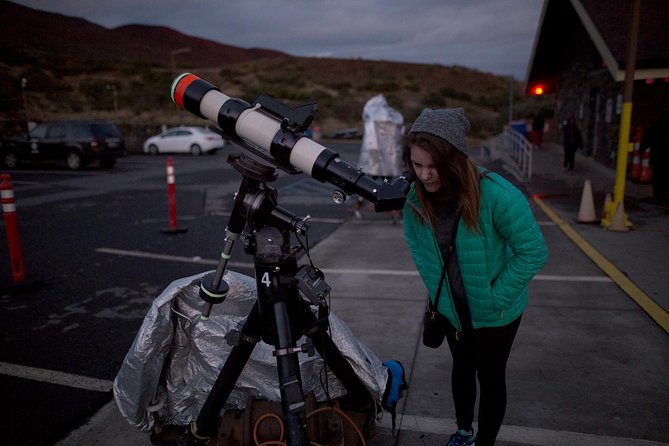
(95, 72)
(341, 88)
(135, 96)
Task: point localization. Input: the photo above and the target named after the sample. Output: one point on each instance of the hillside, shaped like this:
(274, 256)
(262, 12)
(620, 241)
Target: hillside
(75, 69)
(30, 32)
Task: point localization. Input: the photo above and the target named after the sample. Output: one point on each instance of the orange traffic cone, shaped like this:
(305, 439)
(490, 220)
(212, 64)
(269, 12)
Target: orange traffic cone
(646, 172)
(618, 221)
(636, 164)
(635, 171)
(586, 212)
(607, 204)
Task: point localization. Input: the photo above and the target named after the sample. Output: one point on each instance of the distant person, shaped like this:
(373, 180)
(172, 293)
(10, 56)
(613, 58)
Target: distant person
(571, 142)
(538, 124)
(474, 233)
(656, 138)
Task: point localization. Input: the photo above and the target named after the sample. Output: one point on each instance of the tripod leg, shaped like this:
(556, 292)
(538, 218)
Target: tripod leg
(290, 380)
(356, 392)
(207, 421)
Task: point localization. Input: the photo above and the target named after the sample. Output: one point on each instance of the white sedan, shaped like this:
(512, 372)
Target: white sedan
(193, 140)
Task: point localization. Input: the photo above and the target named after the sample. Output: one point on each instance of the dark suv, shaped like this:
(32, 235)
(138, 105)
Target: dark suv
(76, 143)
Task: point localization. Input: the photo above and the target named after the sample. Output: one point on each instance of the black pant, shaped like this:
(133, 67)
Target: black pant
(486, 351)
(569, 155)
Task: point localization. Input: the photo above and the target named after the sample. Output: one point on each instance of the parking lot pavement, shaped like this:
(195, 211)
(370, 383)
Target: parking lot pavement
(589, 364)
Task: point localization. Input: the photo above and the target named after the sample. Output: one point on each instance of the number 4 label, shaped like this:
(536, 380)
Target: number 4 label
(265, 279)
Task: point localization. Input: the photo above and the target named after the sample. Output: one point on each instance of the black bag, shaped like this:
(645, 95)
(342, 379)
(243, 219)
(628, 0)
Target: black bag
(435, 324)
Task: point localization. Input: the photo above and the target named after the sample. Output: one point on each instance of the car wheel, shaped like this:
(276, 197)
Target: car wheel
(195, 150)
(153, 149)
(10, 160)
(74, 161)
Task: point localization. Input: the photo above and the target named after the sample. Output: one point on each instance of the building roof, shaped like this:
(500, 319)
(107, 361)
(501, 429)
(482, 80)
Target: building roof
(607, 25)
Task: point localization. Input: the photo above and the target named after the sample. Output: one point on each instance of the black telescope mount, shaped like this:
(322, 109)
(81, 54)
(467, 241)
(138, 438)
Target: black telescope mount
(280, 316)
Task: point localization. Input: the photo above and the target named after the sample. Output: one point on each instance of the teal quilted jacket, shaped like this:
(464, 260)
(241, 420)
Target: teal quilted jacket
(496, 263)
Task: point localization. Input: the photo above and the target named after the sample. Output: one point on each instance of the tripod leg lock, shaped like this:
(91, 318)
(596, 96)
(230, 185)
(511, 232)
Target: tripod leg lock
(307, 347)
(234, 337)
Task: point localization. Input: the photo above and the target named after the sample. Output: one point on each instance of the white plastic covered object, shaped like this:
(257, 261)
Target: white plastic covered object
(381, 151)
(176, 357)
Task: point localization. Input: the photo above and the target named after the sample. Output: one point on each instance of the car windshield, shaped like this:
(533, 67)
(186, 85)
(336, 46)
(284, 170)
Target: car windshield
(105, 131)
(81, 131)
(39, 131)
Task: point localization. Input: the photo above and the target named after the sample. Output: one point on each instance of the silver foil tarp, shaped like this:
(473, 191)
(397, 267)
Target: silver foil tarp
(176, 357)
(381, 149)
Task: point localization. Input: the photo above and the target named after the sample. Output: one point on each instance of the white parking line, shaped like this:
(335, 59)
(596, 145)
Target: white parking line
(183, 259)
(309, 220)
(553, 278)
(55, 377)
(387, 272)
(517, 434)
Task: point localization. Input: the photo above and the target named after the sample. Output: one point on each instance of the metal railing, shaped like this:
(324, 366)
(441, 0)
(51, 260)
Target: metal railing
(513, 149)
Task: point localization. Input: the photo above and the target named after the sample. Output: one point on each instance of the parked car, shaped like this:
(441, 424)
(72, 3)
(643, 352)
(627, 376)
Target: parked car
(193, 140)
(76, 143)
(352, 133)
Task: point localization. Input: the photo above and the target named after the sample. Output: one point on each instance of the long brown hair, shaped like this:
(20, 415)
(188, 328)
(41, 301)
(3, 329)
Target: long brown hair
(459, 176)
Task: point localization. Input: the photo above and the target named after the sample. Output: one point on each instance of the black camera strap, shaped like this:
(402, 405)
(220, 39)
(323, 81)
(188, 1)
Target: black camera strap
(446, 230)
(434, 308)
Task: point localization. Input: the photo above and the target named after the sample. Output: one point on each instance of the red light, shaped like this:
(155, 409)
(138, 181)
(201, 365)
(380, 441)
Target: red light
(538, 90)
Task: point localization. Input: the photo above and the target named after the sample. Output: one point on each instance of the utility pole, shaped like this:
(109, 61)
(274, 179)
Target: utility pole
(112, 88)
(624, 146)
(173, 67)
(174, 53)
(24, 84)
(510, 99)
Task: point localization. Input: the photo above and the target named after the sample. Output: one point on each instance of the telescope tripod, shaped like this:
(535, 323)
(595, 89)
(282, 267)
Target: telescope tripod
(280, 316)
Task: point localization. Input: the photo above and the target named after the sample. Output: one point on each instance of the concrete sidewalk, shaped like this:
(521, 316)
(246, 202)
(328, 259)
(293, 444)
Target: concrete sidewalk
(589, 365)
(641, 253)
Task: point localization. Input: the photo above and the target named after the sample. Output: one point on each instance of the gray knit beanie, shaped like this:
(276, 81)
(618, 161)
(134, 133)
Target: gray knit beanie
(447, 123)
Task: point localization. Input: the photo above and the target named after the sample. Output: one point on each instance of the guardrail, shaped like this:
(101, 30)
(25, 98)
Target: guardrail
(513, 149)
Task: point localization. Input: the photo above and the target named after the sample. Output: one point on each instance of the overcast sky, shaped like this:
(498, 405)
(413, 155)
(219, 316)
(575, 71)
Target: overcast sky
(489, 35)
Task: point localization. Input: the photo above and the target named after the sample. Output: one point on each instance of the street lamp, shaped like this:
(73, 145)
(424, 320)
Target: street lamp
(174, 53)
(511, 88)
(112, 88)
(24, 83)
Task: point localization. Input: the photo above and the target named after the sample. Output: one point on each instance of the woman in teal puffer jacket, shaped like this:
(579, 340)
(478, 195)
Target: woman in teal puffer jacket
(479, 231)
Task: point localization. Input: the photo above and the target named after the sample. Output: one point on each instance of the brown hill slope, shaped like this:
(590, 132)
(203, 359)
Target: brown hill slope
(29, 30)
